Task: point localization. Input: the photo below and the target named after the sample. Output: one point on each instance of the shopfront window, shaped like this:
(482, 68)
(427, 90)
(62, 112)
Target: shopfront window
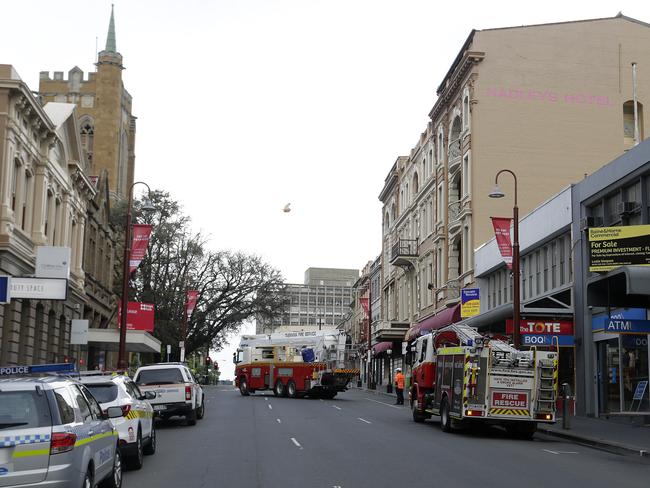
(608, 375)
(634, 369)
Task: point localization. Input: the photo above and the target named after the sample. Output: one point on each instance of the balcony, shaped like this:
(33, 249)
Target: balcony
(453, 217)
(455, 153)
(385, 330)
(404, 252)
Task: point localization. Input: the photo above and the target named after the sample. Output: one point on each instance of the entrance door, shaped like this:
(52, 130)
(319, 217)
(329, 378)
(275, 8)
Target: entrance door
(634, 370)
(609, 388)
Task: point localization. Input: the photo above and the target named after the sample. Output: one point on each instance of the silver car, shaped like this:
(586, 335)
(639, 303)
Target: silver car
(53, 432)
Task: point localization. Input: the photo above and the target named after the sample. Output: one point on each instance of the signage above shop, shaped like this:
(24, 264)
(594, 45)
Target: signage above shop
(611, 247)
(547, 340)
(627, 326)
(39, 288)
(599, 321)
(542, 327)
(470, 302)
(53, 262)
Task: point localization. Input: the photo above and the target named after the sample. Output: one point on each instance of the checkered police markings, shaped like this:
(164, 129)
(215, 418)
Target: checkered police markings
(17, 440)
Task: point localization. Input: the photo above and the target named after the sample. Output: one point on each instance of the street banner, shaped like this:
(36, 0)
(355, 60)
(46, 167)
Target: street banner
(502, 233)
(139, 244)
(470, 302)
(139, 316)
(541, 327)
(364, 304)
(190, 303)
(611, 247)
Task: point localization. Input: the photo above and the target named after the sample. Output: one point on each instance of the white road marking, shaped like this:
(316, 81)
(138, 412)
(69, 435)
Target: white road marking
(560, 452)
(338, 408)
(266, 399)
(549, 451)
(270, 407)
(279, 421)
(363, 420)
(383, 403)
(296, 443)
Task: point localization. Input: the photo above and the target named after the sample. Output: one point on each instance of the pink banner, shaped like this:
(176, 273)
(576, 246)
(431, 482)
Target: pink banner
(139, 316)
(364, 304)
(502, 234)
(139, 244)
(190, 303)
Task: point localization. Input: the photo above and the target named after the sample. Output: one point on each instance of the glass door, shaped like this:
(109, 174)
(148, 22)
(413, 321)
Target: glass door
(635, 370)
(609, 388)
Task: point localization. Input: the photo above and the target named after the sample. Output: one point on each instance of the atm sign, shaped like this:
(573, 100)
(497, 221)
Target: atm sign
(509, 399)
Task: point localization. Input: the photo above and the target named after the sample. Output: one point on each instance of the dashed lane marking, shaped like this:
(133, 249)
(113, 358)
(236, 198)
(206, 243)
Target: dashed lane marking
(364, 420)
(293, 439)
(279, 421)
(270, 407)
(338, 408)
(383, 403)
(559, 452)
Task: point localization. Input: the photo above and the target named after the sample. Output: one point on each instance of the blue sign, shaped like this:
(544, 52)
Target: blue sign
(547, 340)
(631, 341)
(640, 390)
(4, 289)
(467, 294)
(627, 326)
(599, 322)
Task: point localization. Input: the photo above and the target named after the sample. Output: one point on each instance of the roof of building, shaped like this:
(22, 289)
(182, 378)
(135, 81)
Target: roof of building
(110, 38)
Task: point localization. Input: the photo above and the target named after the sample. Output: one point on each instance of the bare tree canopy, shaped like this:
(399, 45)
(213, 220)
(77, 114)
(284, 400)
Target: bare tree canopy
(233, 287)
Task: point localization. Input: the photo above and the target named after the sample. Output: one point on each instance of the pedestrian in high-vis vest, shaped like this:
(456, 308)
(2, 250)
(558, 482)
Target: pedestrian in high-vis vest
(399, 386)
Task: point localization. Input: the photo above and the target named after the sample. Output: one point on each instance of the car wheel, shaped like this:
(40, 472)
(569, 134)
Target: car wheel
(291, 390)
(137, 459)
(151, 446)
(243, 387)
(445, 419)
(278, 389)
(201, 410)
(88, 479)
(115, 478)
(191, 418)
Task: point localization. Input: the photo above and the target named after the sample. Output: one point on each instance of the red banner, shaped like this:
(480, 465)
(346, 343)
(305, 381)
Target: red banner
(139, 316)
(139, 243)
(364, 304)
(502, 234)
(190, 303)
(542, 326)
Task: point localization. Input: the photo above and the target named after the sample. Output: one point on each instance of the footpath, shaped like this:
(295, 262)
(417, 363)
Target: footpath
(617, 436)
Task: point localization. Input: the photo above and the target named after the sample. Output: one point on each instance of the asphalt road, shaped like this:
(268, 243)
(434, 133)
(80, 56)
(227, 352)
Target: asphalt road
(361, 440)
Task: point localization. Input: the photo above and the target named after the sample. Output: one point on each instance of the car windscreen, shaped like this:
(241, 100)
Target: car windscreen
(161, 376)
(23, 410)
(103, 392)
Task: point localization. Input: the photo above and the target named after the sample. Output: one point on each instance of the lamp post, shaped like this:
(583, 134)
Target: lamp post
(516, 300)
(147, 207)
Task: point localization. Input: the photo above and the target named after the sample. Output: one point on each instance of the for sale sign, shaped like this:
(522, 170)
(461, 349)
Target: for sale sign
(510, 399)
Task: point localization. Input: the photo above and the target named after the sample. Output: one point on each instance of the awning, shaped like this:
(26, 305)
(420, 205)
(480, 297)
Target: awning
(493, 316)
(626, 286)
(136, 340)
(381, 347)
(448, 316)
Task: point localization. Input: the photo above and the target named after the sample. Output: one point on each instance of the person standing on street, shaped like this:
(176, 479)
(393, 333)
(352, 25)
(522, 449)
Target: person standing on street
(399, 386)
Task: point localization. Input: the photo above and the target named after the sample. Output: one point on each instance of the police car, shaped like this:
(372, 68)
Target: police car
(53, 432)
(136, 427)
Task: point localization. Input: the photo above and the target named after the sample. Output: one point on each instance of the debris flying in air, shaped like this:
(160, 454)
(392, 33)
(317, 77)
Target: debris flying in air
(287, 208)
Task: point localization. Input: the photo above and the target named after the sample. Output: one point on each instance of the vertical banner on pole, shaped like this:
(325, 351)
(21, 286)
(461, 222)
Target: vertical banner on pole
(502, 234)
(139, 244)
(190, 302)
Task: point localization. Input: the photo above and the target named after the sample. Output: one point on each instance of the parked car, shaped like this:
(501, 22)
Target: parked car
(53, 432)
(177, 392)
(136, 426)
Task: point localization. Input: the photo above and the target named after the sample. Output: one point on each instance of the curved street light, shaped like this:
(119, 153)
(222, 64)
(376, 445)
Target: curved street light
(146, 207)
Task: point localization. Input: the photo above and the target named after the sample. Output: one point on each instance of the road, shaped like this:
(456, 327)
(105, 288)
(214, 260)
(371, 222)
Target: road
(360, 440)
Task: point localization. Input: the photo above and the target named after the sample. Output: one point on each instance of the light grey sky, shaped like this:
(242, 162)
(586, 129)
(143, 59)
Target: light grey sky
(246, 105)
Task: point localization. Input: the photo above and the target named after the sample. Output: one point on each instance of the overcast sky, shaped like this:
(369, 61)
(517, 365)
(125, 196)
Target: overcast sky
(246, 105)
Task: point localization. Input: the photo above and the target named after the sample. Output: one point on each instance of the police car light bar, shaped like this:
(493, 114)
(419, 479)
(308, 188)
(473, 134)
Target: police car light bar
(37, 369)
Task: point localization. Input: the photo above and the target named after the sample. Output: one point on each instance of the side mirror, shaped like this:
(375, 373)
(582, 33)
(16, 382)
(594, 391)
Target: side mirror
(149, 395)
(114, 412)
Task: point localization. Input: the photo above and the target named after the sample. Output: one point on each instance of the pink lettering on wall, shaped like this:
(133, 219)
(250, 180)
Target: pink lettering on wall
(549, 96)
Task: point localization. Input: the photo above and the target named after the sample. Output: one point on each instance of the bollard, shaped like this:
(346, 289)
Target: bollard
(566, 393)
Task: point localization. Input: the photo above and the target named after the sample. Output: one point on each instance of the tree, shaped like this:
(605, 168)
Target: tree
(233, 287)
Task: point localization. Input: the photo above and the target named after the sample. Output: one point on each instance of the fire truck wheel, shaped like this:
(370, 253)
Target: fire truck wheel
(278, 389)
(291, 389)
(243, 387)
(445, 419)
(417, 415)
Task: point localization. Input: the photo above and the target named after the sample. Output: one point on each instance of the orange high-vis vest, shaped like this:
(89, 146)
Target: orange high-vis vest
(399, 380)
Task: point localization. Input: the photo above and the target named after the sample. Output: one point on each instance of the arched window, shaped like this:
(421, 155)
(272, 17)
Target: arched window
(415, 187)
(393, 213)
(628, 121)
(14, 184)
(465, 109)
(440, 147)
(387, 222)
(87, 133)
(26, 217)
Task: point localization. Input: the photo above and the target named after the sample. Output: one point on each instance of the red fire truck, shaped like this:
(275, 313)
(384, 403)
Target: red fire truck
(293, 364)
(465, 377)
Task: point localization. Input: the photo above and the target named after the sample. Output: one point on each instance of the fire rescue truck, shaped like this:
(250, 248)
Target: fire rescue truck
(293, 364)
(465, 377)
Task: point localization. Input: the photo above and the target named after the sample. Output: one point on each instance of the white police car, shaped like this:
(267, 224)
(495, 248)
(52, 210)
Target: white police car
(136, 427)
(53, 432)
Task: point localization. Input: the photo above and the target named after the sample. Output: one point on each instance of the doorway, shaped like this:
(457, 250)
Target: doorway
(609, 388)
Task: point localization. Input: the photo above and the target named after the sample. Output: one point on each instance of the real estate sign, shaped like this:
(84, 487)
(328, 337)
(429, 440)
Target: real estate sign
(611, 247)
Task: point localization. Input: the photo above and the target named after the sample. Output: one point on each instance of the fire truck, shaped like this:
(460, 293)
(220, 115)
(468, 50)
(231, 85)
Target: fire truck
(293, 364)
(465, 377)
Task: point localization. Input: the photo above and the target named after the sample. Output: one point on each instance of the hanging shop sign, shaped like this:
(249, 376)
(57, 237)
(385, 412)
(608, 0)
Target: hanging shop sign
(53, 262)
(611, 247)
(470, 302)
(39, 288)
(502, 234)
(79, 332)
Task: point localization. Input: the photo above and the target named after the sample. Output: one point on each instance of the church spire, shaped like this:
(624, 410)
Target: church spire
(110, 38)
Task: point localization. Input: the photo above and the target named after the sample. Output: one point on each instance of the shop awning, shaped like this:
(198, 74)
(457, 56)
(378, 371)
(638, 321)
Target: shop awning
(136, 340)
(448, 316)
(626, 286)
(381, 347)
(493, 316)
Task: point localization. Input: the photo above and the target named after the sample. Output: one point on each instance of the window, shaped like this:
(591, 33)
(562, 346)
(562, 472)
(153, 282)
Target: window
(22, 410)
(84, 408)
(465, 176)
(561, 258)
(466, 110)
(553, 265)
(103, 392)
(524, 261)
(441, 152)
(92, 403)
(415, 186)
(14, 185)
(466, 248)
(538, 273)
(546, 266)
(66, 407)
(441, 204)
(628, 121)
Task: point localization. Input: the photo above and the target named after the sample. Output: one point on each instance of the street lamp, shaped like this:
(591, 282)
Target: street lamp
(516, 301)
(146, 207)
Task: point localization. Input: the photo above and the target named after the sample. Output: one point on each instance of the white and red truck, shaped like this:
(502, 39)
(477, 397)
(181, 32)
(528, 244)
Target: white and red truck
(293, 364)
(465, 377)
